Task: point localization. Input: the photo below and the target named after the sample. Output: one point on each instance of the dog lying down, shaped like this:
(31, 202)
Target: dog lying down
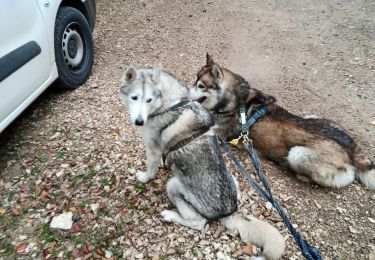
(315, 149)
(202, 188)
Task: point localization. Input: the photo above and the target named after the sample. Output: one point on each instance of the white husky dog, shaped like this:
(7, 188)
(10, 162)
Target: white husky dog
(201, 188)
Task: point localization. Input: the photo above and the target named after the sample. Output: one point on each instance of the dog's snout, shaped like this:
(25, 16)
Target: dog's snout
(139, 122)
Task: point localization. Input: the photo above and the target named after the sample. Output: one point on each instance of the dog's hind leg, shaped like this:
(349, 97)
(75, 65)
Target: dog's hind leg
(365, 169)
(186, 215)
(323, 166)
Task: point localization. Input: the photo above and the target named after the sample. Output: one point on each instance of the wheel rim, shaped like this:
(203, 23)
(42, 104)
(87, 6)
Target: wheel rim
(73, 46)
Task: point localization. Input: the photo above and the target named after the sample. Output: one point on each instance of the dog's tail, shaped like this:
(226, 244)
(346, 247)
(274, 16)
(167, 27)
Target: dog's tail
(258, 232)
(365, 169)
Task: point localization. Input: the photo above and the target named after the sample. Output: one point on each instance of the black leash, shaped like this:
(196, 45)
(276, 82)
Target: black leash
(310, 252)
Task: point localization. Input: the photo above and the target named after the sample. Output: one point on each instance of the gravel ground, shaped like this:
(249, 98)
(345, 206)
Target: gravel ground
(76, 151)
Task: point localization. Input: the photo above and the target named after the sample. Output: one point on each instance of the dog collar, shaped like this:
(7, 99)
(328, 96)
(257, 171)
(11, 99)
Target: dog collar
(246, 124)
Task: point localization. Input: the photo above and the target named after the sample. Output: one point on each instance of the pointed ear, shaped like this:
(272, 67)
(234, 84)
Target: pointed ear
(217, 73)
(156, 73)
(257, 97)
(209, 60)
(130, 75)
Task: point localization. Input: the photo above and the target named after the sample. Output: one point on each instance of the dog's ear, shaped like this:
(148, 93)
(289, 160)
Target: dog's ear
(156, 73)
(257, 97)
(217, 73)
(130, 75)
(209, 60)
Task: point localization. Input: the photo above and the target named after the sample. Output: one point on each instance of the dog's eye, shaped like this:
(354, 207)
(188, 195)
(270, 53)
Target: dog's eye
(134, 98)
(201, 86)
(149, 100)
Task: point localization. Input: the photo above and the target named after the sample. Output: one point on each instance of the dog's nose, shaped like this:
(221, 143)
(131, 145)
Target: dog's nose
(138, 122)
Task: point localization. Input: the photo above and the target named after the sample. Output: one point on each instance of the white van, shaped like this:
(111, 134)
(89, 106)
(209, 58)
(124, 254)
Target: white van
(42, 41)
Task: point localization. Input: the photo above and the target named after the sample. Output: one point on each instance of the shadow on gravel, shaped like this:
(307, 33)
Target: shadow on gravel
(16, 133)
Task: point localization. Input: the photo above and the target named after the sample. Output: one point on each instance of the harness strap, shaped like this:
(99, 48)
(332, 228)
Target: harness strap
(175, 106)
(250, 121)
(184, 142)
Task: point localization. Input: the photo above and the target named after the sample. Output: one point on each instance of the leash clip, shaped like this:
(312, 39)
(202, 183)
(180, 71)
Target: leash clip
(246, 139)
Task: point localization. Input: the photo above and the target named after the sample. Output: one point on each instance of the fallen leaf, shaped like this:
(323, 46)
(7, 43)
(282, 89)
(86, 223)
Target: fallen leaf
(155, 257)
(75, 253)
(100, 252)
(46, 254)
(248, 250)
(2, 211)
(77, 228)
(372, 122)
(44, 193)
(86, 248)
(15, 212)
(52, 245)
(20, 248)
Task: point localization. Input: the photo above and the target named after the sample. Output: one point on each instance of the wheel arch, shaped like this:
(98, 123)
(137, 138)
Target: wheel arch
(87, 8)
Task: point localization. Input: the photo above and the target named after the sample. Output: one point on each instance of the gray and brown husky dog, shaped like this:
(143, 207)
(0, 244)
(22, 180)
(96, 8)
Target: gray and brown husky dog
(202, 188)
(316, 149)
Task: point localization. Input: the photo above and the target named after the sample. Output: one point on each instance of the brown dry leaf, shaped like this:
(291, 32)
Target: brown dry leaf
(20, 248)
(30, 221)
(77, 228)
(155, 257)
(44, 193)
(15, 212)
(248, 250)
(75, 253)
(86, 248)
(100, 252)
(2, 211)
(52, 245)
(46, 254)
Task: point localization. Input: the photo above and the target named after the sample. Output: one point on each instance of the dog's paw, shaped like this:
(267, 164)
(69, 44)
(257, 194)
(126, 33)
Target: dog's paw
(169, 215)
(143, 176)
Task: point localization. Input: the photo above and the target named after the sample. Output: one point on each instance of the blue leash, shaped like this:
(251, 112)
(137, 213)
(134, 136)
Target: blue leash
(310, 252)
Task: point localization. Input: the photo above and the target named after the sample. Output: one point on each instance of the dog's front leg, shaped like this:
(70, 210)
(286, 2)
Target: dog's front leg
(154, 155)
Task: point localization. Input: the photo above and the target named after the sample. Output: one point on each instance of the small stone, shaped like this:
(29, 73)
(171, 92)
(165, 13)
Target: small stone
(353, 230)
(22, 237)
(108, 254)
(318, 205)
(55, 136)
(268, 205)
(60, 173)
(62, 221)
(94, 207)
(371, 220)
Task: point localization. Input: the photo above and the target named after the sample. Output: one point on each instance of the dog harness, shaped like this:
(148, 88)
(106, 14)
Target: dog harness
(247, 123)
(184, 142)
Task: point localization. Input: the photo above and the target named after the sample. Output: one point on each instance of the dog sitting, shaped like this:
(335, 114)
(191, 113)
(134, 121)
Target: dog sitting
(315, 149)
(202, 188)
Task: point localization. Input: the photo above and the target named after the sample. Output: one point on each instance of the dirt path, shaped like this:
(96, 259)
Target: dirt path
(74, 151)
